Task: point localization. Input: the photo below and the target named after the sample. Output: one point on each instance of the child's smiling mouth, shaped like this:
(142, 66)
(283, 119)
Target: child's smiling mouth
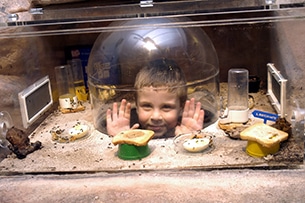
(155, 128)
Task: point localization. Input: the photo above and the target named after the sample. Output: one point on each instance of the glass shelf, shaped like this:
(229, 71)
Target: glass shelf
(93, 17)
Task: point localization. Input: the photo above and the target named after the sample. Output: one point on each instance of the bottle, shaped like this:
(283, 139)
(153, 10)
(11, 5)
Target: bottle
(238, 97)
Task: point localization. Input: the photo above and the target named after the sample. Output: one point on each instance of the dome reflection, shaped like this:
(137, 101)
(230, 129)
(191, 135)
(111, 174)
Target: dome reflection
(118, 56)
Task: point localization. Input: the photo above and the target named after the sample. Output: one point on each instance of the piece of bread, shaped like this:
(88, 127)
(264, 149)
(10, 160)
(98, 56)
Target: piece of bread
(263, 134)
(233, 129)
(136, 137)
(77, 131)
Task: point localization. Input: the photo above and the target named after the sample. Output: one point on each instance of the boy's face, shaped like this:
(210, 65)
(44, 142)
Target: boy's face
(158, 110)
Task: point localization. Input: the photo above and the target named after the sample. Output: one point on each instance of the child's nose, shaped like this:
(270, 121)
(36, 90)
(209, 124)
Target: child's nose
(156, 115)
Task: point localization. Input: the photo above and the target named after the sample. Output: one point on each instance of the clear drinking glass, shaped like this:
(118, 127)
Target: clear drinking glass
(238, 89)
(78, 79)
(65, 87)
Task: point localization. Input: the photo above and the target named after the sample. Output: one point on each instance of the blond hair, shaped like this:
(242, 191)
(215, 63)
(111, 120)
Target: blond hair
(163, 74)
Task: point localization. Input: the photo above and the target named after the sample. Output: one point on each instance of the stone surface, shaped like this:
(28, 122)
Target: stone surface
(96, 152)
(80, 177)
(163, 186)
(13, 6)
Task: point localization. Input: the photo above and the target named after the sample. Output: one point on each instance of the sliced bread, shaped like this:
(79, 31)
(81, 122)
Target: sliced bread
(263, 134)
(136, 137)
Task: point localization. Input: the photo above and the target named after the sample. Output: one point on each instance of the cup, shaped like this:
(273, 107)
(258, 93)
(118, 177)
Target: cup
(65, 87)
(238, 89)
(78, 79)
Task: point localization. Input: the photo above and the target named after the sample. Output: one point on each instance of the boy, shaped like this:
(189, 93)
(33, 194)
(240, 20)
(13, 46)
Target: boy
(160, 98)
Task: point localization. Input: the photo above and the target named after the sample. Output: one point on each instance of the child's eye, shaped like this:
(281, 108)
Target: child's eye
(167, 107)
(146, 106)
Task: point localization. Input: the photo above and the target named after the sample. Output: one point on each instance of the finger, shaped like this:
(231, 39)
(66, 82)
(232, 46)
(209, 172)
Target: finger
(122, 108)
(197, 111)
(192, 107)
(127, 110)
(108, 116)
(201, 118)
(186, 108)
(135, 126)
(114, 111)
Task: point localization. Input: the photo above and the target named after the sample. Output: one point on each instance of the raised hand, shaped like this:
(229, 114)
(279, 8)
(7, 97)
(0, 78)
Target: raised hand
(119, 119)
(192, 118)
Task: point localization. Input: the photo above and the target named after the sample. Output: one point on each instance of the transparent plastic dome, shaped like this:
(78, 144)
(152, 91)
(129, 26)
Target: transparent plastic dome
(118, 56)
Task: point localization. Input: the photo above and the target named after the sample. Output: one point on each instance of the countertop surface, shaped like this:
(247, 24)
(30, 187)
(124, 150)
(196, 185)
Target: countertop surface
(97, 153)
(89, 170)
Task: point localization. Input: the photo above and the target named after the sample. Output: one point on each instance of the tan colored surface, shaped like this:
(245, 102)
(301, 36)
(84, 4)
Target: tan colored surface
(88, 170)
(96, 153)
(174, 186)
